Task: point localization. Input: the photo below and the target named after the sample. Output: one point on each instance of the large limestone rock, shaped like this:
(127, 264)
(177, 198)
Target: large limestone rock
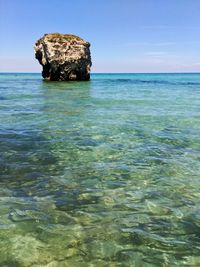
(63, 57)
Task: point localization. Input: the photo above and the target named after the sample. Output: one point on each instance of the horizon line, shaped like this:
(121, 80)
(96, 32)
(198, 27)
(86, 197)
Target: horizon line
(188, 72)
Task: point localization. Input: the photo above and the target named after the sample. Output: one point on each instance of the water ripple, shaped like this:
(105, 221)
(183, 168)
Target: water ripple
(102, 173)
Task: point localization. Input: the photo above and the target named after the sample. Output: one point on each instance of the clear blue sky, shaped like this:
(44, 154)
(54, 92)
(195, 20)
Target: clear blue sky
(125, 35)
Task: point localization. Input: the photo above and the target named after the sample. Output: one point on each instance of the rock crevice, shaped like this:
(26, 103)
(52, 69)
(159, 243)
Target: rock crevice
(63, 57)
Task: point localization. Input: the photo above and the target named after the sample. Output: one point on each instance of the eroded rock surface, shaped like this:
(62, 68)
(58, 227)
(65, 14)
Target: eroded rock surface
(63, 57)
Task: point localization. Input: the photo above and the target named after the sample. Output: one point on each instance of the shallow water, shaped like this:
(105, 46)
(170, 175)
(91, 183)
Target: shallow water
(100, 173)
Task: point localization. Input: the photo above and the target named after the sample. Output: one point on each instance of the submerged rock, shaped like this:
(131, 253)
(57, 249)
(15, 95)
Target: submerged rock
(63, 57)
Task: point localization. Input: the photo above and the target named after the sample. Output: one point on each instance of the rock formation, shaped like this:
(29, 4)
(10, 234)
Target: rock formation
(64, 57)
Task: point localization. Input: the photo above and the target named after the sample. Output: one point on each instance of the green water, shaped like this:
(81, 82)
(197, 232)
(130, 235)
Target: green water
(100, 173)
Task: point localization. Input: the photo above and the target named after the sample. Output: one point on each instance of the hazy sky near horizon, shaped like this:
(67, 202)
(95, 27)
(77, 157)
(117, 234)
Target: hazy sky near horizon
(125, 35)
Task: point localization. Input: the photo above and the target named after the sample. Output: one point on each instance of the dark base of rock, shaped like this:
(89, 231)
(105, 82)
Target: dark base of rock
(62, 75)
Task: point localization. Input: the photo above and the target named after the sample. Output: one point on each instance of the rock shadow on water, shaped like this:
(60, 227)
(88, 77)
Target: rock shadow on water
(66, 85)
(64, 97)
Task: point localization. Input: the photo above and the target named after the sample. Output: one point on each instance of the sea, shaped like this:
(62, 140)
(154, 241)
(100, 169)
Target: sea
(100, 173)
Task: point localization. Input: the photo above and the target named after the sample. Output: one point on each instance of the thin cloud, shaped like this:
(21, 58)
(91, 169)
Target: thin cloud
(160, 55)
(159, 44)
(167, 27)
(195, 64)
(149, 44)
(156, 53)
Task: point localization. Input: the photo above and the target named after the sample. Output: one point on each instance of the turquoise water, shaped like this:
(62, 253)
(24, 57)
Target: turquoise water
(100, 173)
